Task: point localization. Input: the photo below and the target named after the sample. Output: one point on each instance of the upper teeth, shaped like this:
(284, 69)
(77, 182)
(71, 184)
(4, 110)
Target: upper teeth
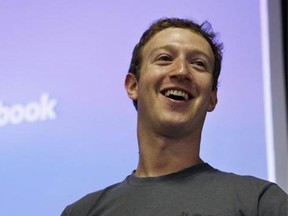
(177, 93)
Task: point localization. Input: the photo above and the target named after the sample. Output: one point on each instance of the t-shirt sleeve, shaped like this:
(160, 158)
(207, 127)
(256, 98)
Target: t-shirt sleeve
(82, 206)
(273, 202)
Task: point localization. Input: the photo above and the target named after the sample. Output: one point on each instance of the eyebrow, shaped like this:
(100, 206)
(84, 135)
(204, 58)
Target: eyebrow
(168, 47)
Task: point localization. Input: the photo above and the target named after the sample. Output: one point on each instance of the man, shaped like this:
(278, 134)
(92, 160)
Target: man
(172, 81)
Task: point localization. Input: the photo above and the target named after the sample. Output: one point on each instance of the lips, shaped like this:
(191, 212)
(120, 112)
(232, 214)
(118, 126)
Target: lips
(177, 94)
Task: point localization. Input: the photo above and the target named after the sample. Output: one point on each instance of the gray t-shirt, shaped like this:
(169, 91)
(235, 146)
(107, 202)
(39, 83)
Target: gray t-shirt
(199, 190)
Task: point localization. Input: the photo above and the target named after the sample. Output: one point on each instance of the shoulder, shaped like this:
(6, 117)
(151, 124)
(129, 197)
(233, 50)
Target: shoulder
(244, 183)
(85, 204)
(249, 191)
(237, 185)
(249, 187)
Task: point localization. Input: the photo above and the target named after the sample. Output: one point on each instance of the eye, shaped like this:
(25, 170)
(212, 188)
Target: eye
(164, 58)
(200, 64)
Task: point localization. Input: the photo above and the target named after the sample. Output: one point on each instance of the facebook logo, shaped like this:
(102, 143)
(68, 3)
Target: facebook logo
(41, 110)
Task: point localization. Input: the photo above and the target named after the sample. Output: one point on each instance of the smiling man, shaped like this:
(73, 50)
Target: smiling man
(172, 81)
(174, 91)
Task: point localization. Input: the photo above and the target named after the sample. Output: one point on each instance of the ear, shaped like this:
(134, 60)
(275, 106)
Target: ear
(131, 85)
(213, 100)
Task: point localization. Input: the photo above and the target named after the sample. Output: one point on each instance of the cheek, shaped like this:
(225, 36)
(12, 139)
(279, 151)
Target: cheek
(205, 82)
(151, 76)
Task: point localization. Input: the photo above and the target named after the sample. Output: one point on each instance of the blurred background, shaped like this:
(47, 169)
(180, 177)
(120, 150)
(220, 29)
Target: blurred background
(67, 127)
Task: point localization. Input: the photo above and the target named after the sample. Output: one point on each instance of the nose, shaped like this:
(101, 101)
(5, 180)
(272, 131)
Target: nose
(180, 71)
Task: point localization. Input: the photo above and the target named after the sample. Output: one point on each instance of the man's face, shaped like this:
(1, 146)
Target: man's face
(174, 90)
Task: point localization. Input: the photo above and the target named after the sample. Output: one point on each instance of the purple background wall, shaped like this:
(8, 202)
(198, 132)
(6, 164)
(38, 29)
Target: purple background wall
(78, 52)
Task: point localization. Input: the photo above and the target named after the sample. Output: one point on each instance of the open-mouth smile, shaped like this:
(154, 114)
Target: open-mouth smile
(177, 94)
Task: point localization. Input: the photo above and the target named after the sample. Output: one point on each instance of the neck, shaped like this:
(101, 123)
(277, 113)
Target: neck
(162, 155)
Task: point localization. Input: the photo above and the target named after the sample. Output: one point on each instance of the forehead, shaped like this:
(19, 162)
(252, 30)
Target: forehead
(178, 38)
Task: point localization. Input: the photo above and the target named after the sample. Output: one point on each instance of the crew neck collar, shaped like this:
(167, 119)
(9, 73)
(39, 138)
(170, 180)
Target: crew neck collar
(132, 180)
